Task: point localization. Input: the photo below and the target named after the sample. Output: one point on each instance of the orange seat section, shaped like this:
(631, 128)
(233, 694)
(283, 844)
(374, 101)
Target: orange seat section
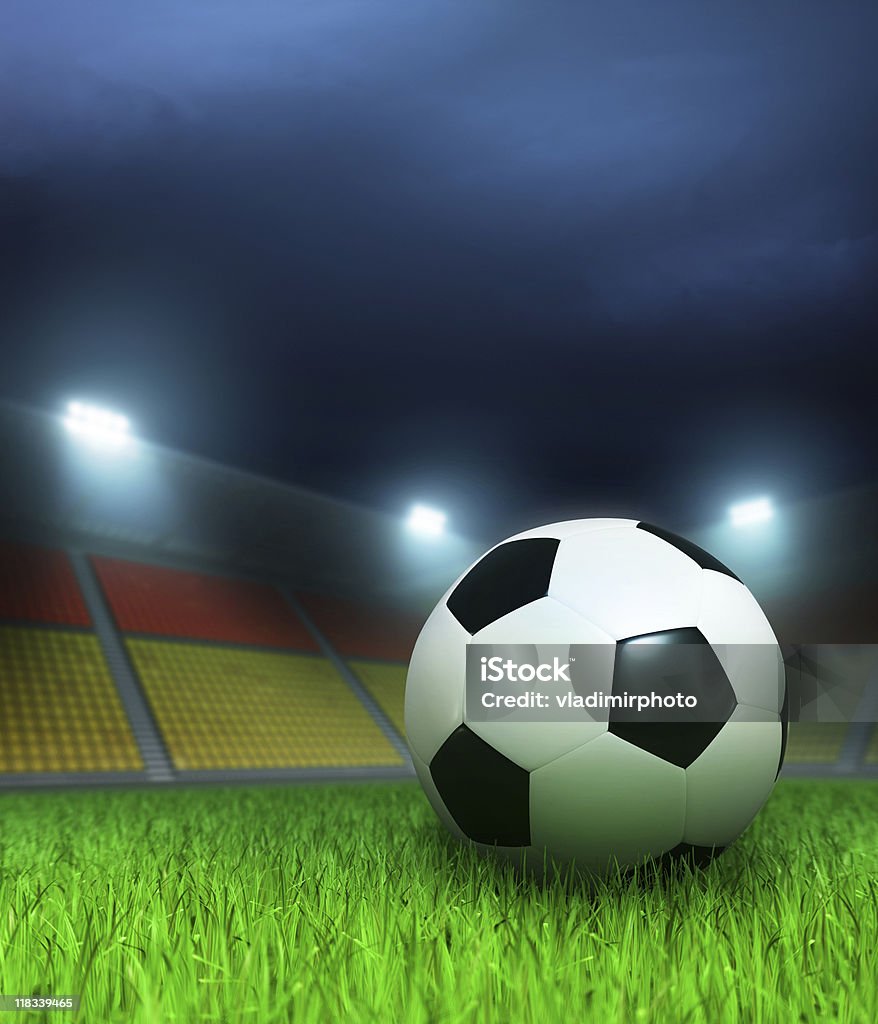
(198, 606)
(38, 585)
(363, 631)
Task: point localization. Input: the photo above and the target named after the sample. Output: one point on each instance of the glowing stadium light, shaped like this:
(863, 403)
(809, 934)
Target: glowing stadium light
(426, 522)
(748, 513)
(98, 426)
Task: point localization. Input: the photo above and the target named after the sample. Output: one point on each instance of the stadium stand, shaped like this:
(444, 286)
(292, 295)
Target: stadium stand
(815, 742)
(385, 682)
(376, 643)
(37, 584)
(275, 699)
(224, 707)
(61, 711)
(358, 630)
(168, 602)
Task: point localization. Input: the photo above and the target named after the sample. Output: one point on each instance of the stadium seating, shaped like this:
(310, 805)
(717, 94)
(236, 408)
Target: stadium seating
(231, 673)
(815, 742)
(167, 602)
(364, 631)
(223, 707)
(38, 585)
(385, 682)
(61, 711)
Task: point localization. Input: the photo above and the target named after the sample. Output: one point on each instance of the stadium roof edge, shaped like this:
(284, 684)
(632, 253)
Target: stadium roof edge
(220, 467)
(188, 509)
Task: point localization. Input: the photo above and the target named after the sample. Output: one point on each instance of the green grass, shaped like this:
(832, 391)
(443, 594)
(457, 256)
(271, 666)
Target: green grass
(347, 903)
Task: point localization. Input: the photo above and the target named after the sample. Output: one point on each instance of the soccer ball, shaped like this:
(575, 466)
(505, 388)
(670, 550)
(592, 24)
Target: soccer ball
(602, 791)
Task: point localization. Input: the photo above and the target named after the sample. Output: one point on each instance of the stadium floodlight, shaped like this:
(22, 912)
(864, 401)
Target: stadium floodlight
(748, 513)
(426, 521)
(99, 426)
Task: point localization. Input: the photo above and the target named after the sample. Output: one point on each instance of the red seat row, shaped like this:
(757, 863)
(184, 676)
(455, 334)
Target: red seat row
(38, 585)
(366, 631)
(169, 602)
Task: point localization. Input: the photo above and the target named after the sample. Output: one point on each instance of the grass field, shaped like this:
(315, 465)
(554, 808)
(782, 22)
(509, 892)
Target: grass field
(347, 903)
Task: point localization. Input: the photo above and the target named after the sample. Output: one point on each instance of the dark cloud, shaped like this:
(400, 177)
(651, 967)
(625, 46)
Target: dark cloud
(516, 256)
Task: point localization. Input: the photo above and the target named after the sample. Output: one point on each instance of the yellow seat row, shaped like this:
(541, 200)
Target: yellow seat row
(815, 742)
(872, 749)
(385, 682)
(227, 707)
(221, 707)
(60, 708)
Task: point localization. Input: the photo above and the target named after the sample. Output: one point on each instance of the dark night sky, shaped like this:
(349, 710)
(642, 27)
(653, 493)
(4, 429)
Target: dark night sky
(517, 259)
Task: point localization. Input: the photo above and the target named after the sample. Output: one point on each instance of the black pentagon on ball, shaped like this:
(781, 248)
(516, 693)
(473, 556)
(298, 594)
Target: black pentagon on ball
(698, 555)
(487, 794)
(512, 575)
(667, 663)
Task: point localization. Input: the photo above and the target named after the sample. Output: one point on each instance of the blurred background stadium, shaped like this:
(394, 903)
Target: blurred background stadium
(166, 619)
